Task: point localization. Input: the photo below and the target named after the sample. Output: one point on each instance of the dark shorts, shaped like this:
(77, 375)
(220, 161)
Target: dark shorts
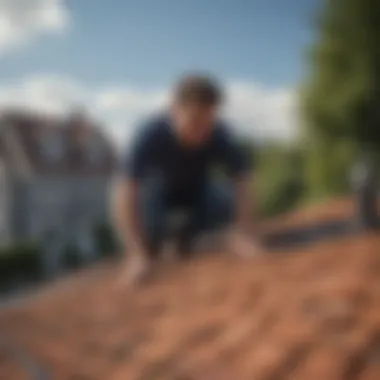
(210, 208)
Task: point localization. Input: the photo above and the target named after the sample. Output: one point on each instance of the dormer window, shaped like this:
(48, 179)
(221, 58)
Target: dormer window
(96, 150)
(52, 147)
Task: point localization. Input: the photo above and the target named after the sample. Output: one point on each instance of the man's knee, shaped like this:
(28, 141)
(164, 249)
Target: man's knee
(220, 208)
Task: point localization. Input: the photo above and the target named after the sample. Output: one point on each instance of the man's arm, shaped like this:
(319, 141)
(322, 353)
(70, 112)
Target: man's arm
(244, 239)
(126, 216)
(126, 211)
(244, 227)
(238, 166)
(245, 219)
(127, 220)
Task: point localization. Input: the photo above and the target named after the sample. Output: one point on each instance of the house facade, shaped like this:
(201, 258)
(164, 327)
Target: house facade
(54, 180)
(4, 194)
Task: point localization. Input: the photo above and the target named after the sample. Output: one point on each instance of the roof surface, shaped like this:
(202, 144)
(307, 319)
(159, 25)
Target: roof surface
(311, 314)
(36, 132)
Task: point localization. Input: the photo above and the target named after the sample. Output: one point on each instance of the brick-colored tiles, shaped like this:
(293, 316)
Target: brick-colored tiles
(312, 314)
(9, 369)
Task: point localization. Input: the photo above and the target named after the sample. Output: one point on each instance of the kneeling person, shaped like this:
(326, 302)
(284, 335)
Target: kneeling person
(169, 168)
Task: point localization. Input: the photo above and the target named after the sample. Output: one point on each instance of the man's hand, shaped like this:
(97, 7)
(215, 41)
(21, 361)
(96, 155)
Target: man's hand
(137, 268)
(242, 244)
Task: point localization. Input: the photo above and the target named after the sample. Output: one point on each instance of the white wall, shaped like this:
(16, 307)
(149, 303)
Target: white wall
(4, 205)
(69, 208)
(66, 203)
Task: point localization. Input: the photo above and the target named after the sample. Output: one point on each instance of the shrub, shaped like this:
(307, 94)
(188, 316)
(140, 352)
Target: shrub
(106, 240)
(20, 261)
(71, 257)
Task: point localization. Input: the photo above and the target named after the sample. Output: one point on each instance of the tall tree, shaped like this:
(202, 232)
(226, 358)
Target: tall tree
(341, 96)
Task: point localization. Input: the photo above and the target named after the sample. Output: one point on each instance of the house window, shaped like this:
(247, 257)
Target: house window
(52, 147)
(96, 150)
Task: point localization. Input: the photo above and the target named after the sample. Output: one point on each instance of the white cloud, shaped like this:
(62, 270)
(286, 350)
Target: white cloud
(262, 113)
(118, 99)
(22, 21)
(255, 112)
(50, 94)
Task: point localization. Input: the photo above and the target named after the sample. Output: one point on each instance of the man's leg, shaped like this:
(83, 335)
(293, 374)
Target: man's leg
(153, 212)
(214, 209)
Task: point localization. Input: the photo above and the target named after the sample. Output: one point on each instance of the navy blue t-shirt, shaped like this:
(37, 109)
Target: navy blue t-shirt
(156, 151)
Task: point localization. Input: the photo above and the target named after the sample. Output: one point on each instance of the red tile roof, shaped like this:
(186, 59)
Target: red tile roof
(314, 314)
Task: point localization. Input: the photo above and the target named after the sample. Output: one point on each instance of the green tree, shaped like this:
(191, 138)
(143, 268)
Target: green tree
(341, 96)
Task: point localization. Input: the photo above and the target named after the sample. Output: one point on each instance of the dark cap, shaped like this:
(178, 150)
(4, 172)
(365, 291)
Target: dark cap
(198, 88)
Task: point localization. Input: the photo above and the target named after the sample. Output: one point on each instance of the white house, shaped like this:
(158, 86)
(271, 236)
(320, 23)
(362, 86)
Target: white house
(54, 179)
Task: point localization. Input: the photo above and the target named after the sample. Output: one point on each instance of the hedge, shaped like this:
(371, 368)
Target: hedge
(22, 261)
(106, 240)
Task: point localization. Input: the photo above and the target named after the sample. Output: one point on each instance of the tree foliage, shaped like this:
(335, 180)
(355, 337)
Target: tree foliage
(341, 96)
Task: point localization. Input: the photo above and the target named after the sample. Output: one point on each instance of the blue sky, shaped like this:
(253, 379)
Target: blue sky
(127, 50)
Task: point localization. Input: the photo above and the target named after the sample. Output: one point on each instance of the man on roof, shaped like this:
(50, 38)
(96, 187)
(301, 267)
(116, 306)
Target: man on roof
(169, 167)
